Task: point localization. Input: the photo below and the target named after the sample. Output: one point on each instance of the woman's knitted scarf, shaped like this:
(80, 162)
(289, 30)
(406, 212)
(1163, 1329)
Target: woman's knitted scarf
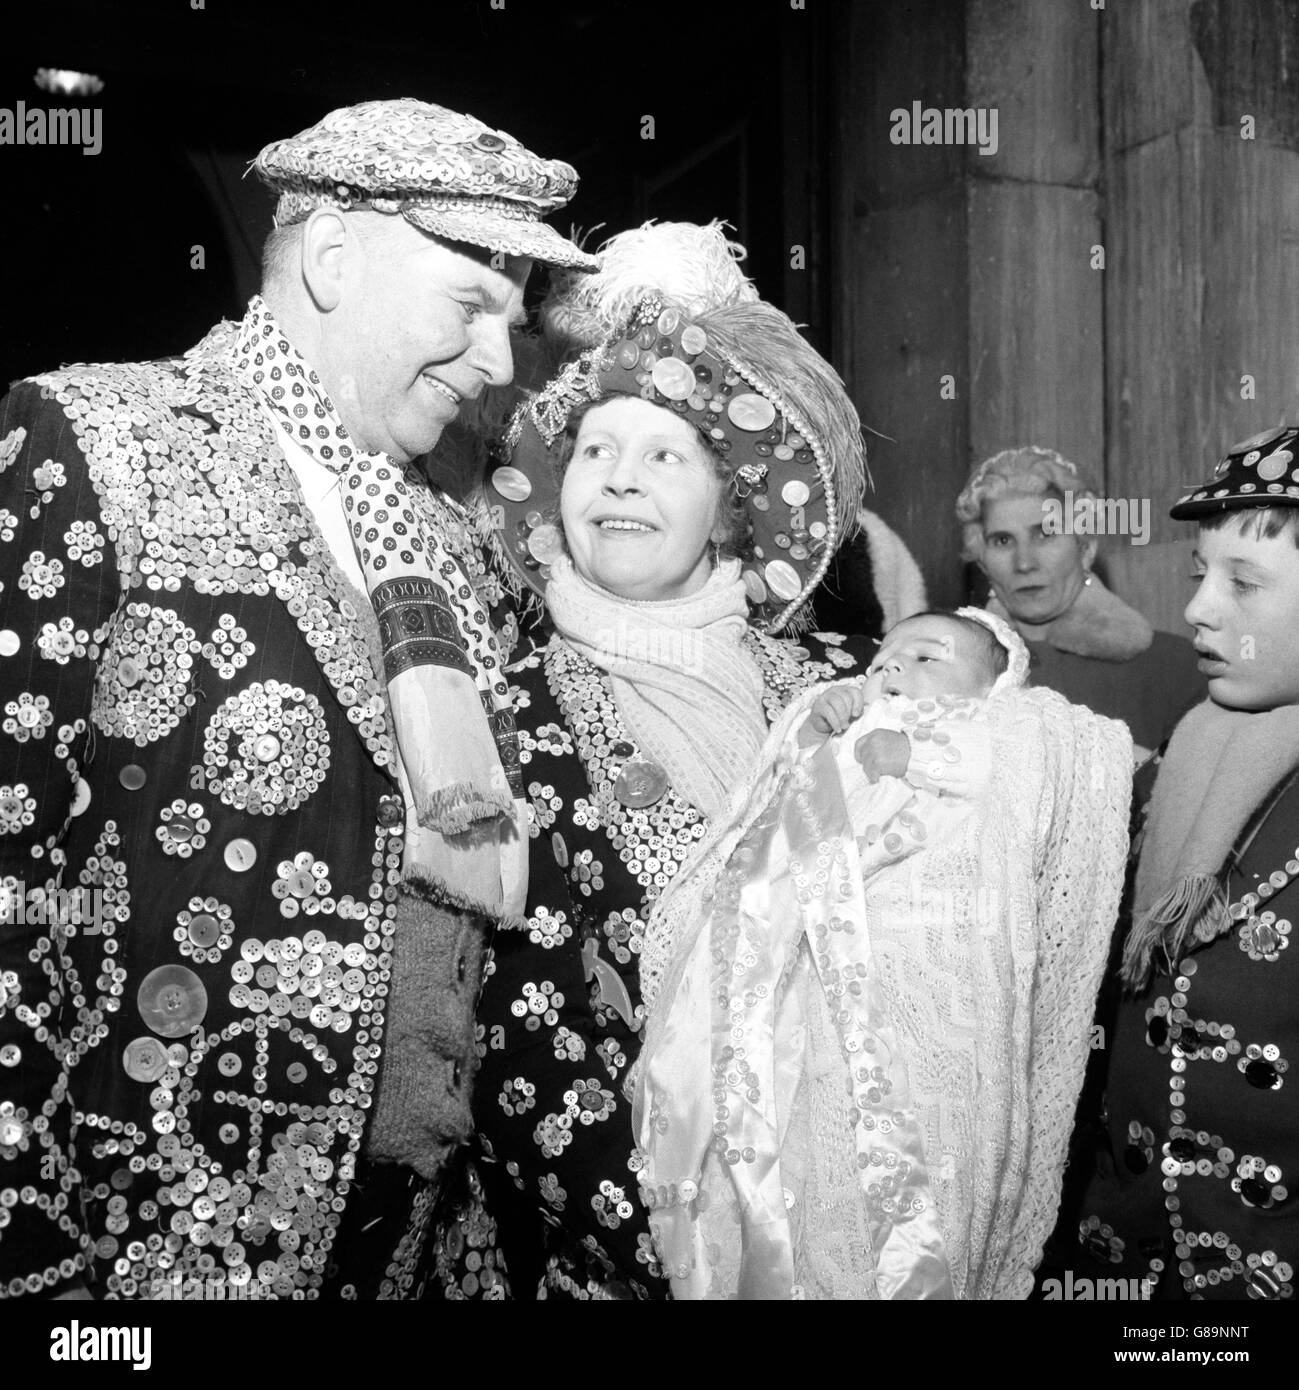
(686, 689)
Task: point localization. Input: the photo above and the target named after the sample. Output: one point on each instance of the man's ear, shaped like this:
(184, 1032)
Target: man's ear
(327, 248)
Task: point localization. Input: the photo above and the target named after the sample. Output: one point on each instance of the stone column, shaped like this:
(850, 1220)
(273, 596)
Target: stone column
(971, 317)
(1201, 107)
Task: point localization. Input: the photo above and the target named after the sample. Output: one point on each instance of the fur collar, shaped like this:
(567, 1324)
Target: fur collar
(1099, 625)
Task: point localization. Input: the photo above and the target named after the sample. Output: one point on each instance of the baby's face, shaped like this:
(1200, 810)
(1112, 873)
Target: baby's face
(925, 657)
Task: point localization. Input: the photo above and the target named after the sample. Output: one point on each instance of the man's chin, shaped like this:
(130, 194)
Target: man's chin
(417, 442)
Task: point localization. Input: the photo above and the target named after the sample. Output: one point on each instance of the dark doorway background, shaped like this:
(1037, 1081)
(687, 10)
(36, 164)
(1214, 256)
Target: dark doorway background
(99, 248)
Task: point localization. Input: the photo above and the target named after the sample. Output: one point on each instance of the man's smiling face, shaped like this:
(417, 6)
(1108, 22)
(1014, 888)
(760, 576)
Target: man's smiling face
(420, 326)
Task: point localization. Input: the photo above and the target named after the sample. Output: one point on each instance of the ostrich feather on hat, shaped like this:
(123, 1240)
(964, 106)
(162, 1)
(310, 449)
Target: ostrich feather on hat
(765, 343)
(694, 266)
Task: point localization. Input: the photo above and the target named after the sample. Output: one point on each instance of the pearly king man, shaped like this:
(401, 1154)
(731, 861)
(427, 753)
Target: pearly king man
(253, 715)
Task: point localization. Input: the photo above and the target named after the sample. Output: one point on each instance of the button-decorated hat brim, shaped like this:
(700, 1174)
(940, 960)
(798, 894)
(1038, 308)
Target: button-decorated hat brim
(1262, 471)
(496, 232)
(1207, 501)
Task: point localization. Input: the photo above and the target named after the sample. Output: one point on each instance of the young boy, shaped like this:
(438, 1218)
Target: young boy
(870, 998)
(1193, 1192)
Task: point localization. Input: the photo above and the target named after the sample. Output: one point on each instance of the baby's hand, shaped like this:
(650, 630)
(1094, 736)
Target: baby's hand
(835, 708)
(883, 753)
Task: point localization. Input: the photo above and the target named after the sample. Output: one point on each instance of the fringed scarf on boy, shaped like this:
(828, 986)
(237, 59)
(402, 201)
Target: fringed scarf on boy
(1219, 769)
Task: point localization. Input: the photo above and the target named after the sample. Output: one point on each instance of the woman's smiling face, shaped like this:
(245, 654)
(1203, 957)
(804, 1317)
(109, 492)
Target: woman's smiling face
(639, 503)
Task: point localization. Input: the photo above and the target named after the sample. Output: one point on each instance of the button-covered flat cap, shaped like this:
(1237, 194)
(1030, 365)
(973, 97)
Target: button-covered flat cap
(446, 173)
(1262, 471)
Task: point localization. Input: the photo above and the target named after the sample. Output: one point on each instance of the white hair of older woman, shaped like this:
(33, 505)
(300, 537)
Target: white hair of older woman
(1026, 471)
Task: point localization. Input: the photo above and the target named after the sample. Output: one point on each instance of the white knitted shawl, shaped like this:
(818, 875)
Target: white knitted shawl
(993, 1003)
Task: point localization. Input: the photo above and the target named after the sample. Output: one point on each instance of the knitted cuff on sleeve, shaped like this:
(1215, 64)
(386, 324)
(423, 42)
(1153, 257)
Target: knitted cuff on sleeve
(421, 1109)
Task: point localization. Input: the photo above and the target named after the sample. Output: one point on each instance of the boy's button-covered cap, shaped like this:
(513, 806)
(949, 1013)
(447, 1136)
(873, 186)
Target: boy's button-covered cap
(448, 174)
(1262, 471)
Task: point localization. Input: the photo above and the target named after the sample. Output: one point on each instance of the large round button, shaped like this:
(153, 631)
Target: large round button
(545, 544)
(1254, 1193)
(132, 777)
(172, 1000)
(240, 855)
(693, 339)
(783, 580)
(390, 811)
(204, 929)
(267, 748)
(640, 783)
(512, 484)
(145, 1059)
(302, 884)
(1261, 1074)
(750, 411)
(673, 378)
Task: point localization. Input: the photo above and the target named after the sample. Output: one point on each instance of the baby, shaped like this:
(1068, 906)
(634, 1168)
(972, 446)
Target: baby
(870, 995)
(928, 655)
(933, 656)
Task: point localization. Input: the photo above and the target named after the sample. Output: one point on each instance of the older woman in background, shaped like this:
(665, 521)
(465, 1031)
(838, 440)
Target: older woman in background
(1084, 641)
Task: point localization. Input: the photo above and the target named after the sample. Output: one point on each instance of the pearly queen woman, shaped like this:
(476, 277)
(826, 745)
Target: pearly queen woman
(675, 493)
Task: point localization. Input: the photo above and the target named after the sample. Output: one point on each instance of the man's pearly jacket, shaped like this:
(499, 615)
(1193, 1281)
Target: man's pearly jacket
(201, 836)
